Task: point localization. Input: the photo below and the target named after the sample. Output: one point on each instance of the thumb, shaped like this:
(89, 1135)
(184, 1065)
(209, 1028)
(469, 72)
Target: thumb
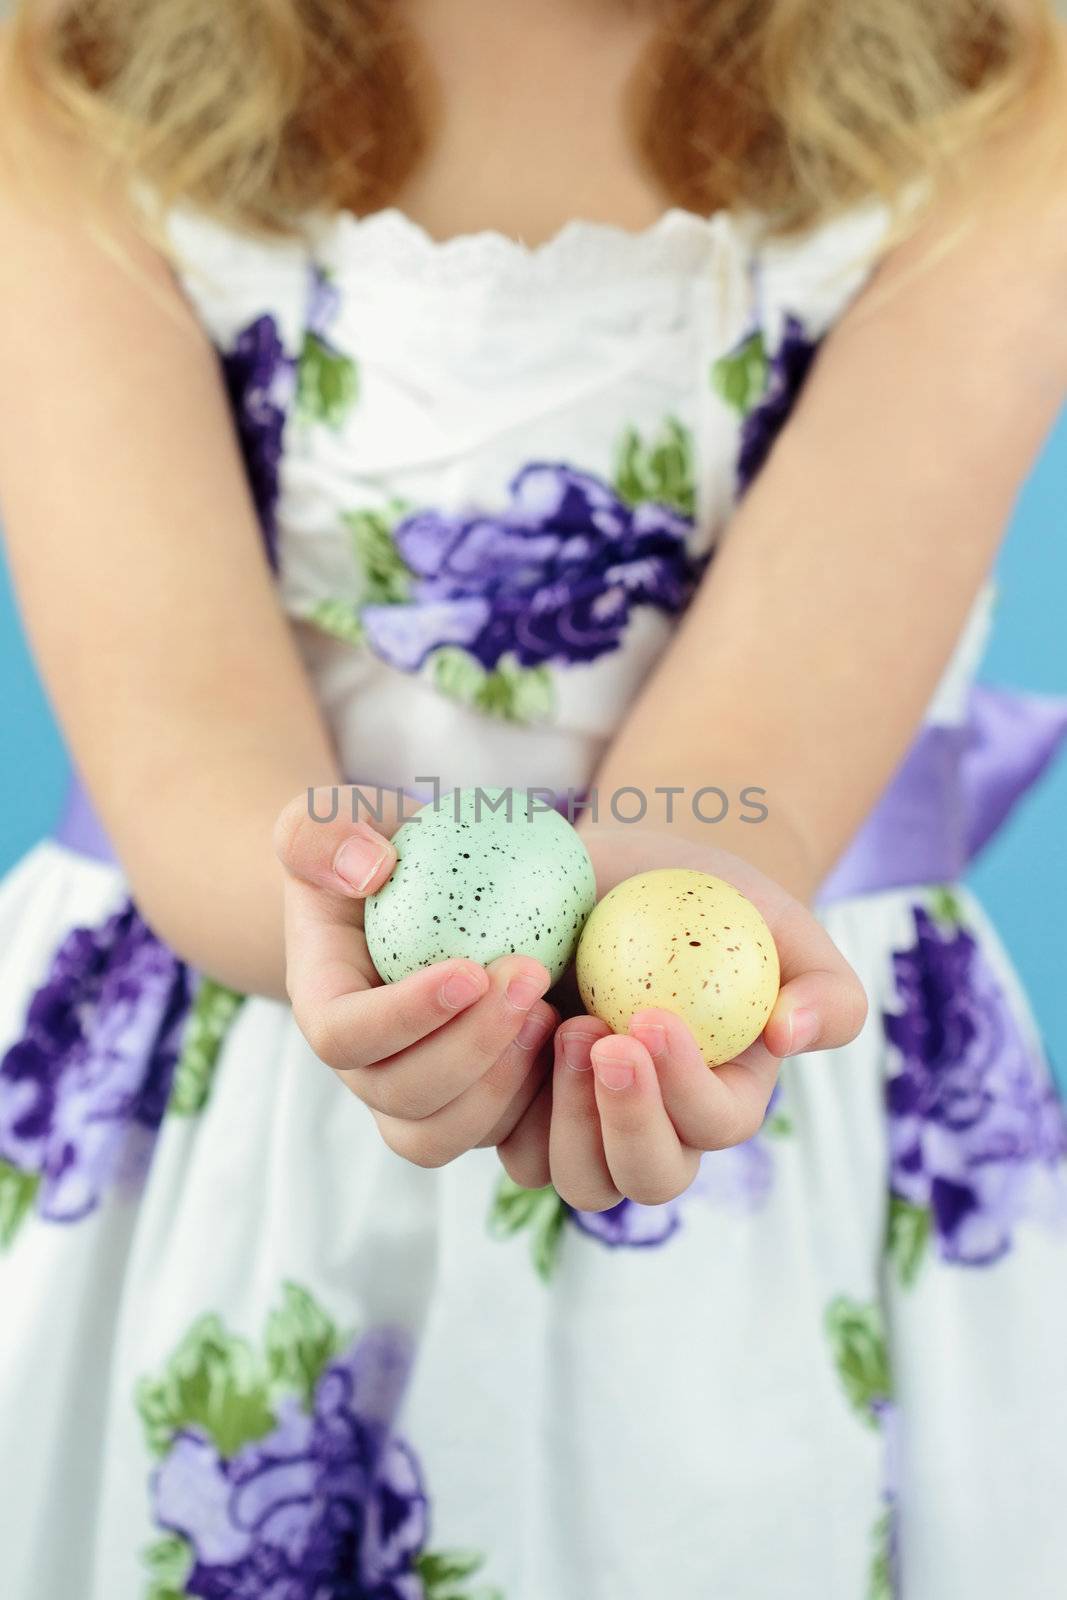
(346, 857)
(819, 1010)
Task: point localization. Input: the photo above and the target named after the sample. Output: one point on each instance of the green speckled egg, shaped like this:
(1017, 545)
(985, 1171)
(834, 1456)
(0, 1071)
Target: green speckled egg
(685, 942)
(469, 882)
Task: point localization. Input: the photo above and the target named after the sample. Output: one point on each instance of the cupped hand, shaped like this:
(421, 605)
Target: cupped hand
(447, 1059)
(627, 1116)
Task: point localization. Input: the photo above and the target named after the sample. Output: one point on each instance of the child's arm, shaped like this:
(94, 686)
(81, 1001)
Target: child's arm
(820, 632)
(808, 658)
(142, 580)
(150, 604)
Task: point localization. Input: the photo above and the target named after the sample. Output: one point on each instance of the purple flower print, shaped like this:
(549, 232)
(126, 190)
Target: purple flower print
(786, 374)
(264, 382)
(260, 382)
(740, 1178)
(629, 1224)
(328, 1506)
(553, 577)
(87, 1083)
(977, 1132)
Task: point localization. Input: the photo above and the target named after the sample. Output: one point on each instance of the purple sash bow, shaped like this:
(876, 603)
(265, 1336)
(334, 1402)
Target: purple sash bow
(950, 795)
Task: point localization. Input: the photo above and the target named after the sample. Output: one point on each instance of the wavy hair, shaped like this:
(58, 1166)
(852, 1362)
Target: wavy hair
(259, 111)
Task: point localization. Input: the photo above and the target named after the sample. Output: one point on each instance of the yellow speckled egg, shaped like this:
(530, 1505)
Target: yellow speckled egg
(688, 943)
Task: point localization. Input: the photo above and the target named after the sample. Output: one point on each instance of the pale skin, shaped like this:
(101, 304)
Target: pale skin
(805, 661)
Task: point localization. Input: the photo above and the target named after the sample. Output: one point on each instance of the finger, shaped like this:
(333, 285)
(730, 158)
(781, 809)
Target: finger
(328, 968)
(529, 1087)
(646, 1159)
(819, 1011)
(500, 1097)
(524, 1153)
(322, 839)
(576, 1156)
(428, 1074)
(821, 1004)
(348, 1023)
(326, 958)
(710, 1108)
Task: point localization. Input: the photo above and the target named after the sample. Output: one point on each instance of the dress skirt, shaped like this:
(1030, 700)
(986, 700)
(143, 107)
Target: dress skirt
(247, 1352)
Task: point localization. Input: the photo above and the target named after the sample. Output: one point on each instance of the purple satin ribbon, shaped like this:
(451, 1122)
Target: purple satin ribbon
(950, 795)
(79, 827)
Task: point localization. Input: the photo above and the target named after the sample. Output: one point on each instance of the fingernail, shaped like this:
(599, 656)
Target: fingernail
(533, 1030)
(651, 1035)
(359, 860)
(462, 989)
(803, 1029)
(576, 1051)
(523, 991)
(614, 1072)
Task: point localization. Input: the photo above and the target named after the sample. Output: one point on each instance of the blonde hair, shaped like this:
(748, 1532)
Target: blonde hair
(259, 111)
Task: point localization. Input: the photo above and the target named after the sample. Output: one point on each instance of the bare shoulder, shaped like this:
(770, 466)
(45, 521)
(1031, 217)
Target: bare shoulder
(1022, 177)
(1014, 186)
(984, 272)
(61, 217)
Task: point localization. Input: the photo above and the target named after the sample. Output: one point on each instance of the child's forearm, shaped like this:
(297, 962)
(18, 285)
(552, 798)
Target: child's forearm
(197, 849)
(696, 811)
(216, 895)
(143, 582)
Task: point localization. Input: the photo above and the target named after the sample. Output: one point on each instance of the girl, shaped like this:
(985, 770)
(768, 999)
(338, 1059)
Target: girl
(508, 310)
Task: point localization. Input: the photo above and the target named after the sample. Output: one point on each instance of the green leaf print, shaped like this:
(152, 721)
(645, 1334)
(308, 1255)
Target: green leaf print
(301, 1342)
(457, 674)
(880, 1585)
(384, 580)
(861, 1354)
(338, 618)
(213, 1381)
(218, 1385)
(169, 1561)
(945, 906)
(908, 1234)
(386, 577)
(661, 471)
(779, 1125)
(327, 383)
(510, 693)
(18, 1191)
(210, 1019)
(538, 1212)
(443, 1575)
(740, 378)
(857, 1338)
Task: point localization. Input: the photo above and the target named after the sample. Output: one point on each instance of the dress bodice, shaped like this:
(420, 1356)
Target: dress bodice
(491, 476)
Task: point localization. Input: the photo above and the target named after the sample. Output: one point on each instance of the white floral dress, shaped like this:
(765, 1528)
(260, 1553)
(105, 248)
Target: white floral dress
(248, 1354)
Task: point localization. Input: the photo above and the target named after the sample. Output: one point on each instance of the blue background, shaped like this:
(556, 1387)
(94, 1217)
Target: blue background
(1022, 877)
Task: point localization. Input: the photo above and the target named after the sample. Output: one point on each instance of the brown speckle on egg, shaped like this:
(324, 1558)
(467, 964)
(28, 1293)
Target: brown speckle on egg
(632, 939)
